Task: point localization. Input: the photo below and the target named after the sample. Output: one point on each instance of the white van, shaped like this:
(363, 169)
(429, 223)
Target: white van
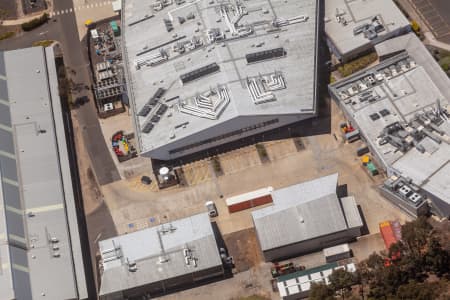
(212, 210)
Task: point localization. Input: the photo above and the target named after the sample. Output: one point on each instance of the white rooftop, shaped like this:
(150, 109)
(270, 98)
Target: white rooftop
(143, 248)
(40, 252)
(408, 84)
(343, 16)
(219, 35)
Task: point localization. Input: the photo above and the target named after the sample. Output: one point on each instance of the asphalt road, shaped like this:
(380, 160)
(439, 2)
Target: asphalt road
(63, 28)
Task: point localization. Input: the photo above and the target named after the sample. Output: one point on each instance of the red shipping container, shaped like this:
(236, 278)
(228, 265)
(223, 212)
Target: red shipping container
(249, 200)
(387, 233)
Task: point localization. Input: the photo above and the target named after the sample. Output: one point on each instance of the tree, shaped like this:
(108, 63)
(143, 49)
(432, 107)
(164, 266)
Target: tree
(415, 235)
(321, 291)
(342, 281)
(437, 259)
(417, 291)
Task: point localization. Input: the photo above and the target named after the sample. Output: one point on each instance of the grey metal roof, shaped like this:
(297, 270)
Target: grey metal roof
(356, 13)
(297, 35)
(413, 90)
(36, 187)
(303, 211)
(351, 212)
(143, 248)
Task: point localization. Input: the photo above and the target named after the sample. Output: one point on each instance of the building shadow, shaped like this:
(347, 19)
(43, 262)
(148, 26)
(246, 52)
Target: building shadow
(365, 228)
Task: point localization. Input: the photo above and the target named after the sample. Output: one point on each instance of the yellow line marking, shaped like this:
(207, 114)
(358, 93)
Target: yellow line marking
(45, 208)
(7, 154)
(6, 128)
(4, 102)
(10, 181)
(14, 210)
(17, 238)
(20, 268)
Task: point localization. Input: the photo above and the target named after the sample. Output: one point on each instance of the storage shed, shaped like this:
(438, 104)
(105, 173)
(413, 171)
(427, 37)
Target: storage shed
(306, 217)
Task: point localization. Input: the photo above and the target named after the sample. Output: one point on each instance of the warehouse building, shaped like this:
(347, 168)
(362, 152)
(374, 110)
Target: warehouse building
(41, 221)
(306, 217)
(353, 27)
(160, 259)
(210, 73)
(401, 107)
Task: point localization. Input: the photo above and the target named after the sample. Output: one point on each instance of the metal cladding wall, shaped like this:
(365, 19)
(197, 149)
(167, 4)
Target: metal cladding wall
(250, 203)
(163, 287)
(308, 246)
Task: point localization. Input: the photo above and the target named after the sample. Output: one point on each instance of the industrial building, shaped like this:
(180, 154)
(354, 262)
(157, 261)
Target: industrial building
(353, 27)
(41, 221)
(209, 72)
(401, 107)
(306, 217)
(159, 259)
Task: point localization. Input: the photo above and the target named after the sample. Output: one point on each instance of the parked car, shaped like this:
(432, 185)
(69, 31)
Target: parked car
(212, 209)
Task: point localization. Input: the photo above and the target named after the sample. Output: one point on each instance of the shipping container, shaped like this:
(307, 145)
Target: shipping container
(337, 253)
(387, 233)
(352, 136)
(362, 150)
(372, 169)
(249, 200)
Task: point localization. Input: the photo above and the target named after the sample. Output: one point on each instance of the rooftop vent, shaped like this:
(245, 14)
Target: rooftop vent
(384, 112)
(147, 127)
(200, 72)
(374, 116)
(265, 55)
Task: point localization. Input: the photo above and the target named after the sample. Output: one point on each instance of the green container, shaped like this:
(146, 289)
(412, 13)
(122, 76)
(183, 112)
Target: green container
(114, 27)
(372, 169)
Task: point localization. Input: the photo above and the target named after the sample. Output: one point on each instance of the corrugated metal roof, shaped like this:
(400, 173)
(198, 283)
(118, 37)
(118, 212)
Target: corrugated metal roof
(300, 212)
(44, 187)
(144, 248)
(351, 212)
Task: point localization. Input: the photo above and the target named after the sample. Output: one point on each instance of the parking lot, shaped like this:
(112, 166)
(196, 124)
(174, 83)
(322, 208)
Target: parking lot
(436, 13)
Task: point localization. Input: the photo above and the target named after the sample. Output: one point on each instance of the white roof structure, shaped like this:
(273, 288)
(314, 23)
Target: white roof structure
(344, 17)
(40, 251)
(300, 282)
(205, 63)
(409, 89)
(305, 211)
(157, 253)
(249, 196)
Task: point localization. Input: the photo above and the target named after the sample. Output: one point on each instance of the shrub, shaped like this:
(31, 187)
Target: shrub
(28, 26)
(44, 43)
(216, 164)
(357, 64)
(261, 150)
(6, 35)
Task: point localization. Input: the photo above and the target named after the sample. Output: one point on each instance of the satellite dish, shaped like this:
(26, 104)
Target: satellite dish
(164, 171)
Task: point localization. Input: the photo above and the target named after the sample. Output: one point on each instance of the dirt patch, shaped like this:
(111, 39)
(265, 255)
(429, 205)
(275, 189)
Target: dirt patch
(244, 248)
